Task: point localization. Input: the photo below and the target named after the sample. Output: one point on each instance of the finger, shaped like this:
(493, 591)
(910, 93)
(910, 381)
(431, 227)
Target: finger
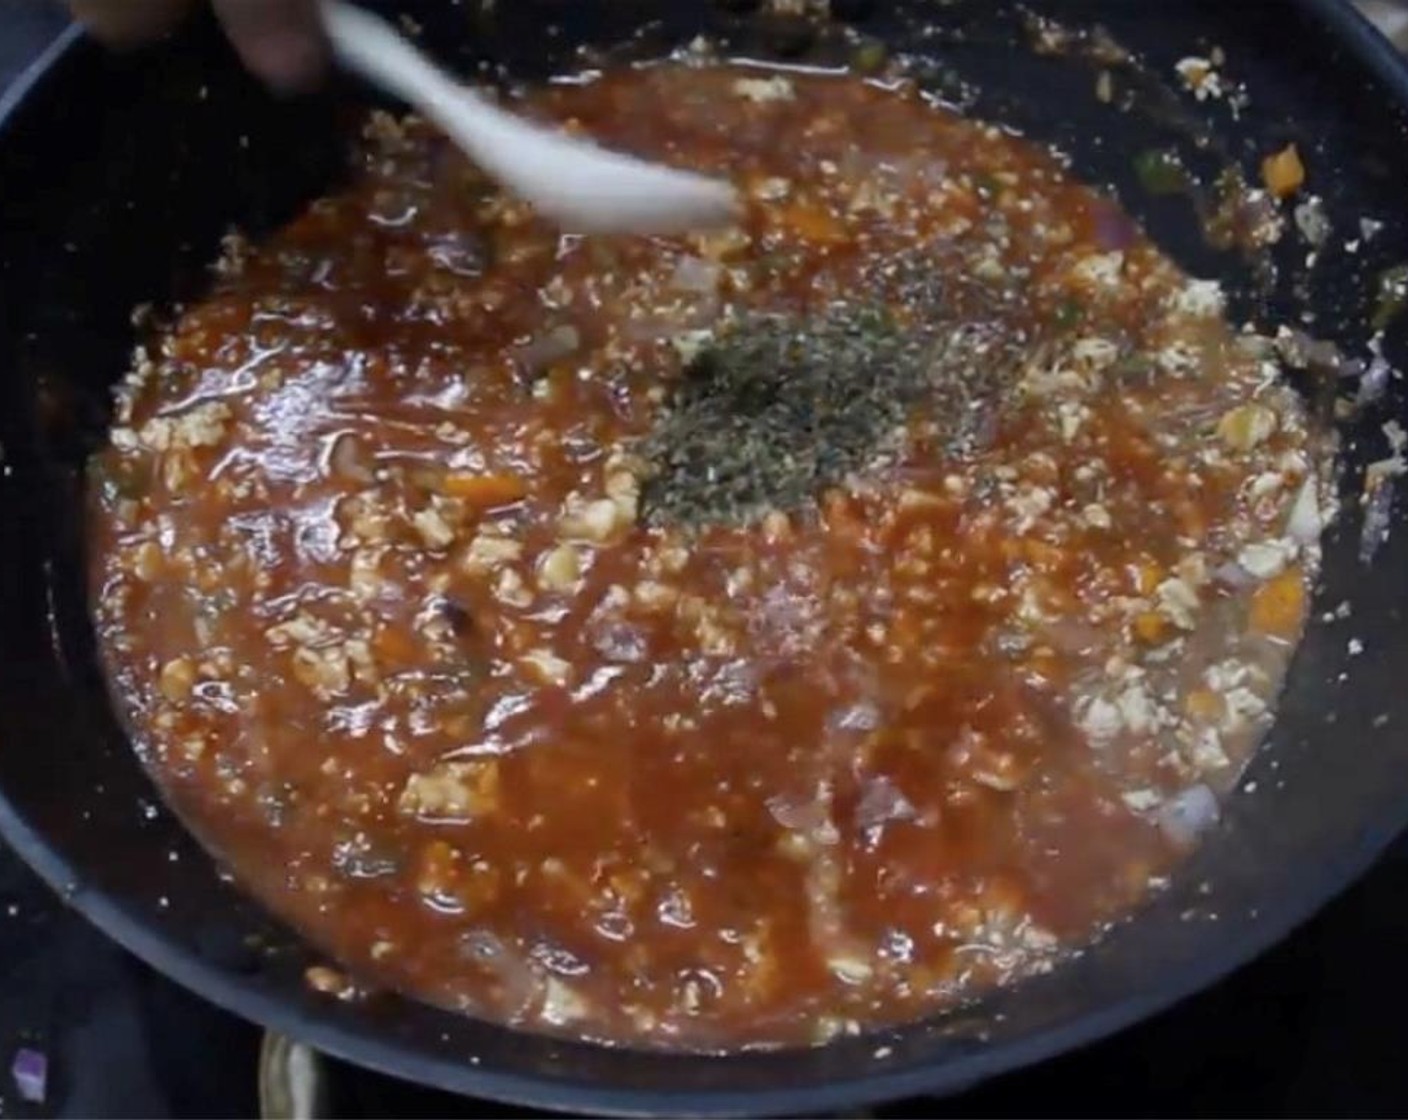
(126, 22)
(280, 40)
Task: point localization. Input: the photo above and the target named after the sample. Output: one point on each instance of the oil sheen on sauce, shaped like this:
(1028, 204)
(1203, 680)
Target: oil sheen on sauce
(391, 627)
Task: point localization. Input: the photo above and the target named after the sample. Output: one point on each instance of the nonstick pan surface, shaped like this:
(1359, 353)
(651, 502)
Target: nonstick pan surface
(117, 178)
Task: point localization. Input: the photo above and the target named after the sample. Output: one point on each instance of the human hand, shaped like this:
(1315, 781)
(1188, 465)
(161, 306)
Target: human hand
(279, 40)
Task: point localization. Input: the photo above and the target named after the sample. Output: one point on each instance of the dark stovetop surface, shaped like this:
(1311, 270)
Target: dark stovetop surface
(1313, 1028)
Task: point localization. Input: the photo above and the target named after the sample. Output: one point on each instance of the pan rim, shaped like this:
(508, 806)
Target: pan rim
(363, 1044)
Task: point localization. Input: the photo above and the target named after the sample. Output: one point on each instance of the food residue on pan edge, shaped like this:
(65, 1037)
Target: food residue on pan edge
(409, 632)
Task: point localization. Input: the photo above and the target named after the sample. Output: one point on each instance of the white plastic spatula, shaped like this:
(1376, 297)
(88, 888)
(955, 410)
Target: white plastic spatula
(583, 187)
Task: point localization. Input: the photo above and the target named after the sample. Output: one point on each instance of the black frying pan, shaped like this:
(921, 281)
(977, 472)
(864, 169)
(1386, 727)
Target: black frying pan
(117, 177)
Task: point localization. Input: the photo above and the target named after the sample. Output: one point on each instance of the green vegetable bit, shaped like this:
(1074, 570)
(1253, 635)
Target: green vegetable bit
(117, 477)
(870, 57)
(1161, 172)
(1392, 298)
(987, 185)
(1069, 313)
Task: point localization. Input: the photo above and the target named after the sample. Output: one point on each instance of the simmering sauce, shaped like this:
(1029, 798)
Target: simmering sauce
(436, 621)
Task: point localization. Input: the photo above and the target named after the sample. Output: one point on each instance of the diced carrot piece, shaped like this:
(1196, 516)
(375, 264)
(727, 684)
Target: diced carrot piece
(1150, 627)
(485, 491)
(1148, 577)
(1283, 173)
(813, 223)
(1203, 703)
(1043, 663)
(1278, 606)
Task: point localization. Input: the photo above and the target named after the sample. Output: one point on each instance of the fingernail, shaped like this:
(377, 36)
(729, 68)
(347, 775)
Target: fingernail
(289, 63)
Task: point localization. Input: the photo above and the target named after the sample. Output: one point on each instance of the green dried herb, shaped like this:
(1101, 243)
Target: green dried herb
(779, 409)
(1069, 313)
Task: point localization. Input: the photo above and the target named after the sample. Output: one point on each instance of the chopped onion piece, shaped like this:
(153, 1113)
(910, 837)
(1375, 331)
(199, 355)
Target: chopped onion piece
(807, 814)
(518, 983)
(350, 459)
(1114, 229)
(692, 274)
(1235, 576)
(1378, 514)
(882, 802)
(30, 1070)
(1374, 381)
(551, 346)
(698, 315)
(1304, 524)
(1185, 816)
(861, 716)
(1072, 635)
